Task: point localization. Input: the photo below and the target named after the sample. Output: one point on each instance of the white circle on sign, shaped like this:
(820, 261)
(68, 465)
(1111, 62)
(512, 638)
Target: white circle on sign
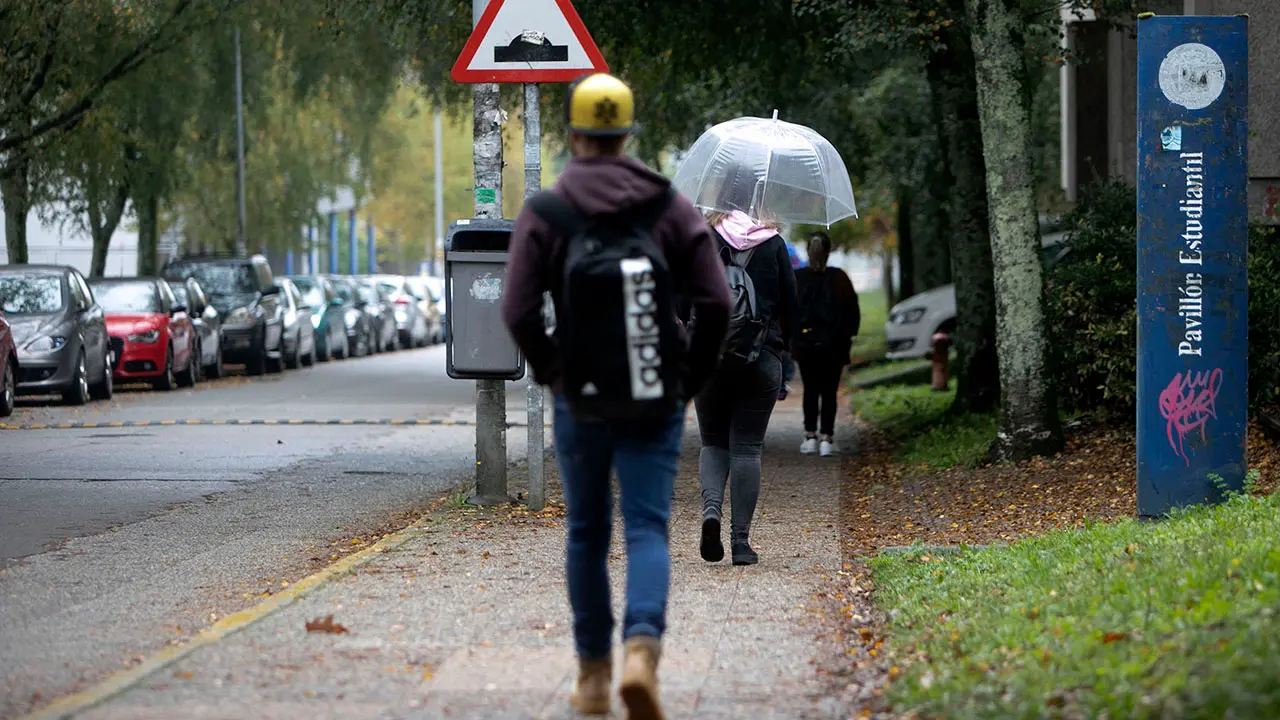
(1193, 76)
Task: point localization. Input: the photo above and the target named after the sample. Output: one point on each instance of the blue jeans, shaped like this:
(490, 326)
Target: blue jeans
(646, 459)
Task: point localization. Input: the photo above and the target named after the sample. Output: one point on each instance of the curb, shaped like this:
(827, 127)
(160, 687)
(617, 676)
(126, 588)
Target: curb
(123, 681)
(256, 421)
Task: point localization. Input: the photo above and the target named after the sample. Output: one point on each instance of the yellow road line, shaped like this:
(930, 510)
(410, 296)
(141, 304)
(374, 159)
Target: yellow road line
(124, 680)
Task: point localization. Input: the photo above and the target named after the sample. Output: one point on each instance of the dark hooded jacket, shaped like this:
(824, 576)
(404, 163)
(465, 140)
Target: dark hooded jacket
(603, 185)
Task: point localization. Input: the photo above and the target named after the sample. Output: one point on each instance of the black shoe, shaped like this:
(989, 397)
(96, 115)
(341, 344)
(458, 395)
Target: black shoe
(744, 555)
(712, 548)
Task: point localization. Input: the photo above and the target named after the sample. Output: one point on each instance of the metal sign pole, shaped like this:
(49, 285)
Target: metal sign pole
(491, 395)
(533, 184)
(438, 244)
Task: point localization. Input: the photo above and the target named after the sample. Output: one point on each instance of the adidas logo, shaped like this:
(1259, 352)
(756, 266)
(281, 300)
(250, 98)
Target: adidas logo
(589, 390)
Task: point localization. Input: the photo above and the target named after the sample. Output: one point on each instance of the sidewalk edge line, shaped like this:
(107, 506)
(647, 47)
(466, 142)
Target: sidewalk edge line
(124, 680)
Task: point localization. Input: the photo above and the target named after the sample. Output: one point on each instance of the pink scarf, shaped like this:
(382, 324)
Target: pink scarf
(743, 233)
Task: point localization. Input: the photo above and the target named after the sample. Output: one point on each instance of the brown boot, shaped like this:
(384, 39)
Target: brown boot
(639, 688)
(591, 691)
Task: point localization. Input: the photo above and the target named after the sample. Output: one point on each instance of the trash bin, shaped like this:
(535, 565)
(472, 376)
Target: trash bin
(478, 346)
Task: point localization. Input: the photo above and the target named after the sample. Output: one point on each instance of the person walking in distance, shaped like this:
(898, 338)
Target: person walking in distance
(734, 409)
(828, 321)
(615, 246)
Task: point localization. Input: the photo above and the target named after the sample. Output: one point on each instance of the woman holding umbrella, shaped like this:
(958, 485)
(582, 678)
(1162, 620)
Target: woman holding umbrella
(749, 175)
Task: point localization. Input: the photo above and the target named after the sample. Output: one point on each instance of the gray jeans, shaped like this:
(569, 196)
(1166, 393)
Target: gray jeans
(733, 416)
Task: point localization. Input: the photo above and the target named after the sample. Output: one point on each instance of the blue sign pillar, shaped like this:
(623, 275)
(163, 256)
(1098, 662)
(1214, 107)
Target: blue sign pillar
(333, 243)
(353, 246)
(313, 252)
(1193, 109)
(288, 261)
(372, 249)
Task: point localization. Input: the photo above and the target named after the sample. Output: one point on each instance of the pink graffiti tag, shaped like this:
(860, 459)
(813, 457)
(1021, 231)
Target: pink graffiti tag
(1187, 404)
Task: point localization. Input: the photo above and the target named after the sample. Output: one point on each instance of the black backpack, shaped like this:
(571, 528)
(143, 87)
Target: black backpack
(817, 319)
(616, 328)
(745, 338)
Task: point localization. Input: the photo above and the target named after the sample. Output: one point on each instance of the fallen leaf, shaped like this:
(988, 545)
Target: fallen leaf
(1114, 637)
(326, 625)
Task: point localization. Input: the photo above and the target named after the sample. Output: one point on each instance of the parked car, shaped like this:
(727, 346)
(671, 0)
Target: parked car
(357, 319)
(207, 324)
(327, 315)
(437, 287)
(377, 300)
(913, 322)
(248, 302)
(299, 333)
(151, 334)
(59, 331)
(8, 369)
(412, 326)
(432, 306)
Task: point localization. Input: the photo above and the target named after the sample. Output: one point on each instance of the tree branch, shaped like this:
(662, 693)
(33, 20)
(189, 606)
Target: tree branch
(131, 61)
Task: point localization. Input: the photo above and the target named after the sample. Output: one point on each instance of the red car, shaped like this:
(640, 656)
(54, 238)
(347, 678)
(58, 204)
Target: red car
(152, 337)
(8, 369)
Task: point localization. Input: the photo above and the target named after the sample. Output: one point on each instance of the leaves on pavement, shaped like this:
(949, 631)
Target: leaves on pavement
(326, 625)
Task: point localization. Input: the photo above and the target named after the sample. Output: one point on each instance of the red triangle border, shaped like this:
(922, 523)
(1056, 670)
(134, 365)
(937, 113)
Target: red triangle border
(462, 74)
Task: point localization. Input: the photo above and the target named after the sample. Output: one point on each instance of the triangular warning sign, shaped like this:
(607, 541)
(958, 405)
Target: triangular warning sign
(528, 41)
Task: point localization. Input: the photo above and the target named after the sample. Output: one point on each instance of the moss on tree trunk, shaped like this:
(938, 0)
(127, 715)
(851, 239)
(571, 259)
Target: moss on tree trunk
(1028, 415)
(977, 371)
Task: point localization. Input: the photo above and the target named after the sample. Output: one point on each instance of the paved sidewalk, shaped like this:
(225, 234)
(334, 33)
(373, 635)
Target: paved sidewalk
(469, 619)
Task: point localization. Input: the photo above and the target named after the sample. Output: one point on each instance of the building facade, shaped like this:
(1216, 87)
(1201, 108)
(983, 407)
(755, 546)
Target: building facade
(1100, 96)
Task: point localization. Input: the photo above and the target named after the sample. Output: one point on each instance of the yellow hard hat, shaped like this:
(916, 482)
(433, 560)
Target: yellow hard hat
(600, 104)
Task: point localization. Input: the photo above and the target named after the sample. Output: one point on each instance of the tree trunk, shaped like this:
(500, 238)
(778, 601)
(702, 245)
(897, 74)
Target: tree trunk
(906, 244)
(16, 194)
(147, 205)
(103, 227)
(1029, 423)
(931, 236)
(886, 276)
(951, 74)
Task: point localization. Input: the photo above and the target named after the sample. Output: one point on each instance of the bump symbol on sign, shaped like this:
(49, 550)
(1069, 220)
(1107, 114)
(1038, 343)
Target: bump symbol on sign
(531, 46)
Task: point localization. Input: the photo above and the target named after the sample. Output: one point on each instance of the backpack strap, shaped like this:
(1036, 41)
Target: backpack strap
(559, 213)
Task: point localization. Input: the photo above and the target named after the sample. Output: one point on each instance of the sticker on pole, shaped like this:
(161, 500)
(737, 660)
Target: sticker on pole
(528, 41)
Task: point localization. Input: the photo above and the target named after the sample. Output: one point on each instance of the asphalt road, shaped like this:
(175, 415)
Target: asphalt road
(118, 539)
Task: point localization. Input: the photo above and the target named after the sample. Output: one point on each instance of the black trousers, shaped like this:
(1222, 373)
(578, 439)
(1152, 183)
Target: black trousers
(821, 378)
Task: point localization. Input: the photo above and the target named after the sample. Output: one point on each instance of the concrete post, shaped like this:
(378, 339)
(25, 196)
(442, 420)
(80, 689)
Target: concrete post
(372, 249)
(333, 243)
(353, 244)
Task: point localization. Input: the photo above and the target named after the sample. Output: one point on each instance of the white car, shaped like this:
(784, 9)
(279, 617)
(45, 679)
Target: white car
(913, 322)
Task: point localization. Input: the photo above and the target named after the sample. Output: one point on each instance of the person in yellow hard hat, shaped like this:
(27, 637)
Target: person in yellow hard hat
(615, 246)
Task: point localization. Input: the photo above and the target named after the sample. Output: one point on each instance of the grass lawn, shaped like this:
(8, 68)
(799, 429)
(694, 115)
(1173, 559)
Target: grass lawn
(1176, 619)
(869, 346)
(915, 417)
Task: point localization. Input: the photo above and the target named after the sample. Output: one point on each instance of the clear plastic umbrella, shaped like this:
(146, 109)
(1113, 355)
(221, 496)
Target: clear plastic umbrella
(769, 169)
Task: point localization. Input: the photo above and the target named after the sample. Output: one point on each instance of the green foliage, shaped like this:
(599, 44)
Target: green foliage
(1090, 303)
(1135, 620)
(1264, 316)
(870, 344)
(928, 435)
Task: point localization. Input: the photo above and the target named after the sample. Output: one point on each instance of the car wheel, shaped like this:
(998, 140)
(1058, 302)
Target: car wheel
(258, 363)
(325, 352)
(191, 374)
(216, 370)
(105, 389)
(167, 381)
(78, 393)
(309, 359)
(8, 390)
(291, 359)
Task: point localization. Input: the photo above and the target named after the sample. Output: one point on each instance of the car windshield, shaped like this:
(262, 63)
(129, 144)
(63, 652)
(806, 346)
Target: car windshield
(343, 290)
(128, 297)
(179, 293)
(30, 294)
(223, 279)
(312, 295)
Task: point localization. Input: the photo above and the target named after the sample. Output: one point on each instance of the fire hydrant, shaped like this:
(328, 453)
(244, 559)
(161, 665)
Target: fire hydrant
(941, 361)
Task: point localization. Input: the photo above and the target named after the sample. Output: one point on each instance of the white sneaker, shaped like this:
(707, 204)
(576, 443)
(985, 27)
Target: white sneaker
(828, 448)
(809, 446)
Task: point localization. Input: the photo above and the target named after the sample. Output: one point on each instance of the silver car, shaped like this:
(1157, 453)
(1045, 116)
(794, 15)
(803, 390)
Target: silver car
(60, 333)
